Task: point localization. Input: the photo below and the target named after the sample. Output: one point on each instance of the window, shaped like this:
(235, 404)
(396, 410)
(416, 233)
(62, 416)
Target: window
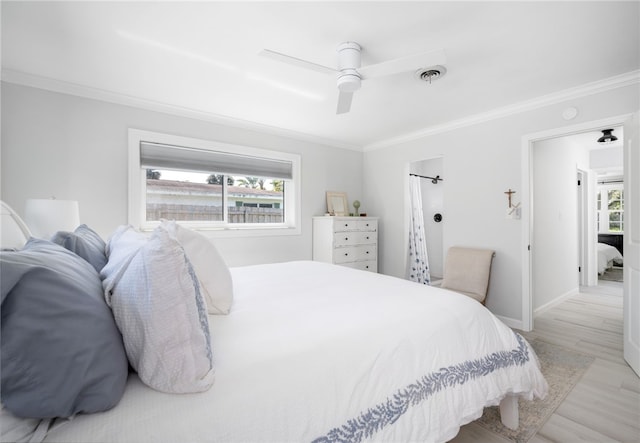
(210, 185)
(610, 207)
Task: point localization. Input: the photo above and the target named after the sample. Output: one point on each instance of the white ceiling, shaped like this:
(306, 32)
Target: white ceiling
(203, 56)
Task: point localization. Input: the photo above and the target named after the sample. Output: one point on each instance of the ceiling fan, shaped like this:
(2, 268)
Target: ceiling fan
(350, 73)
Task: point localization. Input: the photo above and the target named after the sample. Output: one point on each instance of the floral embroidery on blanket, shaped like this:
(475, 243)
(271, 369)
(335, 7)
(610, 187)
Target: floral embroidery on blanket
(386, 413)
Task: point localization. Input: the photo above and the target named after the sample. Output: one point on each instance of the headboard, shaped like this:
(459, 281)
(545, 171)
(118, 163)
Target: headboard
(615, 240)
(14, 232)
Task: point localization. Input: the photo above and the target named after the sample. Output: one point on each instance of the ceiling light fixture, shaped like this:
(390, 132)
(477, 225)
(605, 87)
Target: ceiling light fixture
(607, 136)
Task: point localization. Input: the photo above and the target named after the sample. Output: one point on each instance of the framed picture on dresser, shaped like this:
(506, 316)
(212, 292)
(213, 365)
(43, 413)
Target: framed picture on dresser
(337, 203)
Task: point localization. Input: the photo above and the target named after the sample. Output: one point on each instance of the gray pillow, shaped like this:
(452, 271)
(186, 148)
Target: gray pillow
(61, 351)
(86, 243)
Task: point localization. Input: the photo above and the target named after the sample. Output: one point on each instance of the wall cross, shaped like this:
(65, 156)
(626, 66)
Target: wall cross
(509, 192)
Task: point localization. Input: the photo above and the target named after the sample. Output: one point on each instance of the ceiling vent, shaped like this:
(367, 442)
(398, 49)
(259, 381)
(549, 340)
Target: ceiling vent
(431, 74)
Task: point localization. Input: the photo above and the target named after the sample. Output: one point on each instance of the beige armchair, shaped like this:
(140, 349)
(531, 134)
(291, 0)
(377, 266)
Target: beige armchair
(467, 271)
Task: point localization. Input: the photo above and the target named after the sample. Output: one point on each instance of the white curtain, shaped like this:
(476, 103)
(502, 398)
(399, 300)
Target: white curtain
(417, 262)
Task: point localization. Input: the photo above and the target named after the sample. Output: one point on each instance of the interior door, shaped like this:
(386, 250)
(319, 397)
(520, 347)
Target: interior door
(631, 265)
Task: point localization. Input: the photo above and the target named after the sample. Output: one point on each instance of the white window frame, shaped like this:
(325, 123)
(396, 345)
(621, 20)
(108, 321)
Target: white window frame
(137, 188)
(603, 212)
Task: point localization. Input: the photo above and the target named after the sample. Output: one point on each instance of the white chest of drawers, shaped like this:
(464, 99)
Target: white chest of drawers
(346, 241)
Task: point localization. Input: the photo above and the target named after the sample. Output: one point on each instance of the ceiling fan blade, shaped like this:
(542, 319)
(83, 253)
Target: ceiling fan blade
(404, 64)
(344, 102)
(296, 61)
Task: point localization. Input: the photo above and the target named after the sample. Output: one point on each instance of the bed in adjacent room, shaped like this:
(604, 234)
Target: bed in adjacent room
(608, 256)
(306, 351)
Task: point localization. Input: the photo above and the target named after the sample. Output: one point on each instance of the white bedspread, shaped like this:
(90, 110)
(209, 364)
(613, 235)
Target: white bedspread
(607, 257)
(312, 351)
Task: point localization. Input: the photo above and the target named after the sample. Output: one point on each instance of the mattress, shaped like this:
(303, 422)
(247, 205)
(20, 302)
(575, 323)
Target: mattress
(607, 257)
(317, 352)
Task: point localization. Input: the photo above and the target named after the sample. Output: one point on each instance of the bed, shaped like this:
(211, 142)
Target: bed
(310, 351)
(607, 257)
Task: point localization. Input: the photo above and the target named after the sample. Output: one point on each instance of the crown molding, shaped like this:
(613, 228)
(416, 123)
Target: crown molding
(59, 86)
(35, 81)
(615, 82)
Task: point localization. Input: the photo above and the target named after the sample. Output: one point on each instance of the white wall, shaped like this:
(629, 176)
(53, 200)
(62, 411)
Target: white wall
(75, 148)
(481, 162)
(555, 163)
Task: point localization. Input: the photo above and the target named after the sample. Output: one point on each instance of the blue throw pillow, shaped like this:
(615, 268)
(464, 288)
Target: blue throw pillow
(85, 242)
(61, 351)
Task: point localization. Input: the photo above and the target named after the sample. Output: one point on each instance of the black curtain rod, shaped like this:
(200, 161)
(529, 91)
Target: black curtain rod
(434, 180)
(606, 182)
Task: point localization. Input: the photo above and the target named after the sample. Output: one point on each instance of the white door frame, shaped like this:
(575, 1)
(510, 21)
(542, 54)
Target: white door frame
(588, 237)
(631, 264)
(527, 201)
(582, 221)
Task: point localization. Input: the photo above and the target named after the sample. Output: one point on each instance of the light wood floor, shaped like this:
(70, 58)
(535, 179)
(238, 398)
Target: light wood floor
(605, 404)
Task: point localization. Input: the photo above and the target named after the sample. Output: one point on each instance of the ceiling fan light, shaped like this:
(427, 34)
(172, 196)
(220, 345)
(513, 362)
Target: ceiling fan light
(607, 136)
(349, 81)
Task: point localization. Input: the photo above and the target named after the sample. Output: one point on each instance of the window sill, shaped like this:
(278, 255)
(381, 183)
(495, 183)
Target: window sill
(235, 231)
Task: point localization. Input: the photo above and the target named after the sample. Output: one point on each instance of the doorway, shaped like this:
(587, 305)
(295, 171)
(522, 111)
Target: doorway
(548, 268)
(430, 172)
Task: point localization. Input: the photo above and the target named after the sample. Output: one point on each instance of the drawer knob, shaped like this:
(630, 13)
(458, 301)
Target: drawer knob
(367, 238)
(346, 253)
(367, 252)
(367, 266)
(346, 238)
(346, 224)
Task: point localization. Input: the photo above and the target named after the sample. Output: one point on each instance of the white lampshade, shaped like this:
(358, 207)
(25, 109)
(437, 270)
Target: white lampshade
(45, 217)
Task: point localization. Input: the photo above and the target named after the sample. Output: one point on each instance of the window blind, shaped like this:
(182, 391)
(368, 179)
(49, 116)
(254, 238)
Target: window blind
(162, 156)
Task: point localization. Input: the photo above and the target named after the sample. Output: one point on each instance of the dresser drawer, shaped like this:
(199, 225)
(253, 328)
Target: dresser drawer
(355, 225)
(347, 254)
(350, 238)
(369, 265)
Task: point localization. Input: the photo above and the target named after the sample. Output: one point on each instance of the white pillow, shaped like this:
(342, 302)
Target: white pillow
(120, 249)
(213, 273)
(161, 314)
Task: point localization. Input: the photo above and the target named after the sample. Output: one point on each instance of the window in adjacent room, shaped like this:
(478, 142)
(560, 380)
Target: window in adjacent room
(610, 207)
(210, 185)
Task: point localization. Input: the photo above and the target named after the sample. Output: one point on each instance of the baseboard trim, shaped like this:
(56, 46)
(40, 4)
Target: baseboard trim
(511, 322)
(556, 301)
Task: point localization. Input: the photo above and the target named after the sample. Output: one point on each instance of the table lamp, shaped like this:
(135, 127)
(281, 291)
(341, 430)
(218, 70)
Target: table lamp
(45, 217)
